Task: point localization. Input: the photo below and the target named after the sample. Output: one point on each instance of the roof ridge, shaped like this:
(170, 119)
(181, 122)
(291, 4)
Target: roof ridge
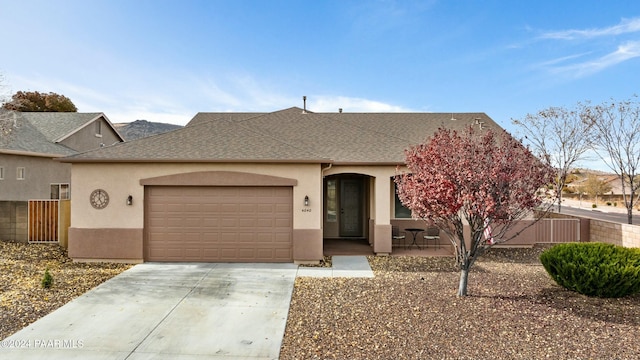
(280, 140)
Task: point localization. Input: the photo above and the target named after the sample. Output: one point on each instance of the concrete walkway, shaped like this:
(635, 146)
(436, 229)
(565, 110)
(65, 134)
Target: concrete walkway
(176, 311)
(342, 266)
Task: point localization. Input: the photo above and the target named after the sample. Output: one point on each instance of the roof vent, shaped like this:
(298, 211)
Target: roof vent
(304, 104)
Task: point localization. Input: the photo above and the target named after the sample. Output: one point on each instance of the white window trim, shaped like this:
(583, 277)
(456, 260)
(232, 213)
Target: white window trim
(1, 173)
(60, 185)
(21, 173)
(98, 129)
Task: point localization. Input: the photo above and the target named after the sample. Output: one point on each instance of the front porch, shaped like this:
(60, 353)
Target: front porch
(361, 247)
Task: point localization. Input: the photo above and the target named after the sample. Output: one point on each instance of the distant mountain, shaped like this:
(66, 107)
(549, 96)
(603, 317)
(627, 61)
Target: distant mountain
(143, 128)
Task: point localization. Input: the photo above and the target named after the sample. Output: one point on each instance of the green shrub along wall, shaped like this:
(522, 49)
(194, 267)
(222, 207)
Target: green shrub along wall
(594, 269)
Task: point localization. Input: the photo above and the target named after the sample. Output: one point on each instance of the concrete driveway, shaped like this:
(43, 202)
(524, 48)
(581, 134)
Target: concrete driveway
(168, 311)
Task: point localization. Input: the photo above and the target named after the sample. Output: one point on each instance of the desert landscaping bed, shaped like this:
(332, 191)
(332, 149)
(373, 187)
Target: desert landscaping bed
(23, 300)
(410, 311)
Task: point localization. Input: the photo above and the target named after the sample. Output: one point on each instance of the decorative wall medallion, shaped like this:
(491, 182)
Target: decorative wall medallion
(99, 199)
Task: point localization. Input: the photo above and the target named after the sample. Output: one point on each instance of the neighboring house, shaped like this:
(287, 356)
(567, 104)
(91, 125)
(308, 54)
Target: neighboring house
(248, 187)
(29, 148)
(614, 181)
(36, 139)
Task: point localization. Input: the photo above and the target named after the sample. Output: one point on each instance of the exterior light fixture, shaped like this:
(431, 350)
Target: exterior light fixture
(306, 200)
(129, 200)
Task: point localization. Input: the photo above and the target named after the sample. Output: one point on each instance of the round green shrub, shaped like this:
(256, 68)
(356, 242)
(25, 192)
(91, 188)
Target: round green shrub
(594, 206)
(594, 269)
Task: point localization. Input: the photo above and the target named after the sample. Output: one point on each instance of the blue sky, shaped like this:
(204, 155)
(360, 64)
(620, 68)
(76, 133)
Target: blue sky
(167, 60)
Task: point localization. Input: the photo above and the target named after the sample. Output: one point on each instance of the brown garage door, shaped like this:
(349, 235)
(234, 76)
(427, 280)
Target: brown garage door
(221, 224)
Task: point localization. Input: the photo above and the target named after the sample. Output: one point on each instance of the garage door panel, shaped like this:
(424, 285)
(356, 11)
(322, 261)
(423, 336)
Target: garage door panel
(234, 224)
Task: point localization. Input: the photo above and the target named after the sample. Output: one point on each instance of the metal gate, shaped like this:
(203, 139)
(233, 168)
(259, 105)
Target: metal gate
(43, 220)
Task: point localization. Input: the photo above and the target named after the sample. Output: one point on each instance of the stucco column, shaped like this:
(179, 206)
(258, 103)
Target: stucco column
(382, 228)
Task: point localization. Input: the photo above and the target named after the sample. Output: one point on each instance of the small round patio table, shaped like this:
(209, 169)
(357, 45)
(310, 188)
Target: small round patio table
(414, 232)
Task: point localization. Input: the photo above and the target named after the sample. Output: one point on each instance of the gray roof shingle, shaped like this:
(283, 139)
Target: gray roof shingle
(290, 135)
(230, 116)
(25, 137)
(57, 125)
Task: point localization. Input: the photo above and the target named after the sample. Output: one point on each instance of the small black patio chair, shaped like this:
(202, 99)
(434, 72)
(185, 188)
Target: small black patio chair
(432, 234)
(397, 236)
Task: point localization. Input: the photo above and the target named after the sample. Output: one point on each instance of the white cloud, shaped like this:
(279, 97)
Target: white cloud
(624, 27)
(177, 99)
(624, 52)
(328, 103)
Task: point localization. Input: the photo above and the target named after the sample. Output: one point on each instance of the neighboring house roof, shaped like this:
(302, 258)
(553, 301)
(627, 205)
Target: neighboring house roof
(57, 126)
(25, 138)
(290, 135)
(39, 133)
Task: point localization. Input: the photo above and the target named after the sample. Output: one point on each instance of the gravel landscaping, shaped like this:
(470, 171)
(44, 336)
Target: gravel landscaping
(23, 300)
(410, 311)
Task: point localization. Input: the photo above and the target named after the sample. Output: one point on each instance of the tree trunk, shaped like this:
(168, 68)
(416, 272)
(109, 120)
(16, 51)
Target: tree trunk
(559, 203)
(630, 215)
(462, 288)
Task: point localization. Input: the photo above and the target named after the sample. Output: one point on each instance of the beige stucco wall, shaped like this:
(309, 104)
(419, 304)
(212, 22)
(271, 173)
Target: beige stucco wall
(116, 232)
(122, 180)
(380, 201)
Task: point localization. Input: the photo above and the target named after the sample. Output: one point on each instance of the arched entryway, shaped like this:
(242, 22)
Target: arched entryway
(346, 213)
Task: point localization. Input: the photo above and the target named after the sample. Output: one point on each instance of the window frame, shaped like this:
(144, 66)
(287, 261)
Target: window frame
(98, 128)
(62, 189)
(399, 211)
(21, 173)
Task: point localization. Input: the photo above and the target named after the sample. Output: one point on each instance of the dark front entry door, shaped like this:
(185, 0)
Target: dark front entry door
(351, 208)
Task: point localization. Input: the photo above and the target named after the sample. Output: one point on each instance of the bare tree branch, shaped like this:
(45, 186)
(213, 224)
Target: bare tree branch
(7, 118)
(617, 143)
(560, 137)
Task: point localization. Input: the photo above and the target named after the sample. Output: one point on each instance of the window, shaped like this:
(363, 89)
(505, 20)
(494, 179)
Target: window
(60, 192)
(332, 201)
(1, 173)
(98, 128)
(400, 211)
(20, 173)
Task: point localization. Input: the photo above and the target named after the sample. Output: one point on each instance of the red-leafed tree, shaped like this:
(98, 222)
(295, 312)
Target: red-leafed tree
(477, 177)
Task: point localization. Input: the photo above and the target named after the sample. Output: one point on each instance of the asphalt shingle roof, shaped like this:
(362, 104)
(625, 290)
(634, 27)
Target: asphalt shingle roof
(210, 116)
(26, 137)
(56, 125)
(290, 135)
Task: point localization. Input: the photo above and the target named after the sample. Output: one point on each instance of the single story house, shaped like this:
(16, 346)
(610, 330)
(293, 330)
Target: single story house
(248, 187)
